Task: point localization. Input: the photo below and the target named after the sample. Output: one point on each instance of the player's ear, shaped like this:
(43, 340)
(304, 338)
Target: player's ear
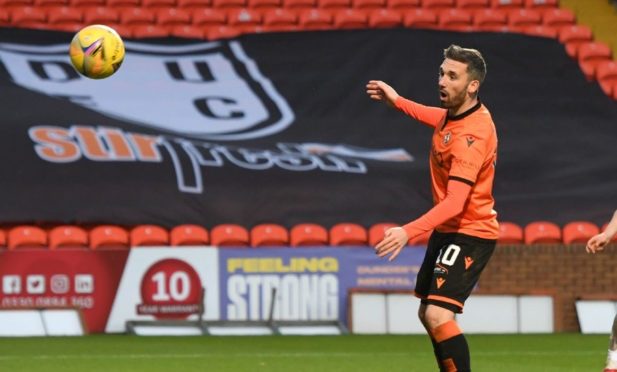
(473, 87)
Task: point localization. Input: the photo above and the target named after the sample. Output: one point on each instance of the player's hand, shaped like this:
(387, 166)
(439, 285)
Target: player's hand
(380, 91)
(597, 243)
(393, 242)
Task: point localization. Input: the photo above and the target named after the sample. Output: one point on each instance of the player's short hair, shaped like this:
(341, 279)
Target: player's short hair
(476, 66)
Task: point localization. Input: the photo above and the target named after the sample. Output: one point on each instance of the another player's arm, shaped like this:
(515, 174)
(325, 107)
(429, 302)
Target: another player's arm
(598, 242)
(380, 91)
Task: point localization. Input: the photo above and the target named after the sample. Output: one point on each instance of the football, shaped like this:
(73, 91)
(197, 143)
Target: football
(97, 51)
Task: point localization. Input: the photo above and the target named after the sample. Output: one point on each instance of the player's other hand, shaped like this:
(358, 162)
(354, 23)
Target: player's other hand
(393, 242)
(380, 91)
(597, 243)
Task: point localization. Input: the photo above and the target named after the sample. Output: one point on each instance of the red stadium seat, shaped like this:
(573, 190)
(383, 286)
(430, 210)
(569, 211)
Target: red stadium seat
(269, 234)
(239, 4)
(194, 4)
(171, 17)
(573, 36)
(87, 3)
(109, 237)
(377, 231)
(149, 235)
(265, 4)
(403, 4)
(490, 20)
(541, 4)
(350, 19)
(438, 4)
(507, 4)
(189, 235)
(606, 74)
(590, 55)
(101, 15)
(222, 32)
(300, 4)
(65, 16)
(209, 17)
(124, 4)
(420, 18)
(519, 18)
(26, 237)
(333, 4)
(51, 3)
(368, 4)
(148, 31)
(280, 18)
(159, 4)
(244, 17)
(558, 18)
(455, 19)
(27, 16)
(510, 233)
(540, 232)
(68, 237)
(579, 232)
(10, 4)
(308, 234)
(540, 30)
(229, 235)
(137, 16)
(4, 17)
(473, 4)
(348, 234)
(316, 19)
(385, 18)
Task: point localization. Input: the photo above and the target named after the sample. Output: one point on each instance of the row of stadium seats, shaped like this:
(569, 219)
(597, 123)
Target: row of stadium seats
(307, 234)
(426, 4)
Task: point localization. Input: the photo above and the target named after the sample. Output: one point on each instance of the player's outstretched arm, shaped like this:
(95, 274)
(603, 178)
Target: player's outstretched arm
(380, 91)
(598, 242)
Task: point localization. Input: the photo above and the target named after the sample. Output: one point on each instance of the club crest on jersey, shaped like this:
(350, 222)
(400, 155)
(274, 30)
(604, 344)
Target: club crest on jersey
(208, 90)
(470, 141)
(446, 138)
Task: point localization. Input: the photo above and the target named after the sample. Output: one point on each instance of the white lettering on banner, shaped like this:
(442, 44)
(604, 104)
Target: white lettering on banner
(206, 90)
(298, 297)
(105, 144)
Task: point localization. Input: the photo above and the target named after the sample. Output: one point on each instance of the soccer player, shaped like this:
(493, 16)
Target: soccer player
(464, 224)
(597, 244)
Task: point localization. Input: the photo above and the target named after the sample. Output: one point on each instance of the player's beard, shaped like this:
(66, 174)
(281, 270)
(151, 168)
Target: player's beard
(453, 101)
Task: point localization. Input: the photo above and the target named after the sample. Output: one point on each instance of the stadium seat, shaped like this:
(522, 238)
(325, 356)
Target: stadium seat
(316, 19)
(438, 4)
(304, 234)
(334, 4)
(159, 4)
(124, 4)
(101, 15)
(606, 74)
(376, 232)
(109, 237)
(194, 4)
(265, 4)
(51, 3)
(520, 18)
(348, 234)
(222, 32)
(300, 4)
(350, 19)
(137, 16)
(269, 234)
(455, 19)
(541, 4)
(420, 18)
(4, 17)
(64, 16)
(234, 4)
(473, 4)
(368, 4)
(403, 4)
(385, 18)
(579, 232)
(229, 235)
(148, 31)
(590, 55)
(87, 3)
(540, 232)
(68, 237)
(573, 36)
(10, 4)
(280, 18)
(149, 235)
(27, 16)
(170, 17)
(558, 18)
(510, 233)
(540, 30)
(209, 18)
(490, 20)
(507, 4)
(240, 18)
(27, 237)
(189, 235)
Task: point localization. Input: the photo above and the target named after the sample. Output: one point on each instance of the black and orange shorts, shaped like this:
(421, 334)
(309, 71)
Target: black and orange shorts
(451, 269)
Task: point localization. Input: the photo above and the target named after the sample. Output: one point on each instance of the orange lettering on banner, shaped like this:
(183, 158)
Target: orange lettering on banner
(55, 144)
(118, 144)
(145, 146)
(91, 144)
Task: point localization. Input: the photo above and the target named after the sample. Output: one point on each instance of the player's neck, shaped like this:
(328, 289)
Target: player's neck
(468, 104)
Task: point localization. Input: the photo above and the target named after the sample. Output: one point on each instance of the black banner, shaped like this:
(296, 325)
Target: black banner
(278, 128)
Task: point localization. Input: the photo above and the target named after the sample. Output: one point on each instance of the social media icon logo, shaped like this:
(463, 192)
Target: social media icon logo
(35, 284)
(59, 284)
(11, 284)
(84, 283)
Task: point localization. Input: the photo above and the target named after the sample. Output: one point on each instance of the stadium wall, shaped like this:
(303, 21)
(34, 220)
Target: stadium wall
(566, 272)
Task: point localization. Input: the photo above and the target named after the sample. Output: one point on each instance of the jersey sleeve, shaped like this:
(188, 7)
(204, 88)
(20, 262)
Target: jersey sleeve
(469, 152)
(427, 115)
